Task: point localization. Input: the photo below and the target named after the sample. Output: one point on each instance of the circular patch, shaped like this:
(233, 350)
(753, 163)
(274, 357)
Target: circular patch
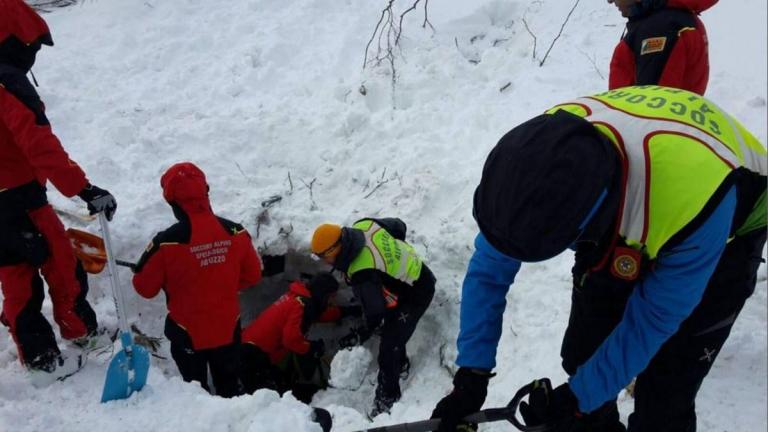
(625, 266)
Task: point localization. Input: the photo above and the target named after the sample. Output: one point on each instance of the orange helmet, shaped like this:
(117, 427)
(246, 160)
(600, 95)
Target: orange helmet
(326, 241)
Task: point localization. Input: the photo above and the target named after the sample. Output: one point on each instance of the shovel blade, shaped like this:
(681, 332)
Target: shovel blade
(89, 249)
(127, 373)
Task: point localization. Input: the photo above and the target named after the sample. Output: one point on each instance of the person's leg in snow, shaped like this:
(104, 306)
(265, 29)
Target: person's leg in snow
(597, 305)
(665, 392)
(23, 295)
(257, 371)
(67, 283)
(193, 365)
(22, 286)
(225, 369)
(303, 381)
(398, 328)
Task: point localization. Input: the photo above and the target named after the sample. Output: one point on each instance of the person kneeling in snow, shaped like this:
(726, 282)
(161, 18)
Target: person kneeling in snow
(201, 263)
(276, 353)
(393, 285)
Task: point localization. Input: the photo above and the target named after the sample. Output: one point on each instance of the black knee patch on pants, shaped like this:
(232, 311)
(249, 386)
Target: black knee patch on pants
(37, 344)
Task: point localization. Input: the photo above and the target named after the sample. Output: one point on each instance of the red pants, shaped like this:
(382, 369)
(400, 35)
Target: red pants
(23, 295)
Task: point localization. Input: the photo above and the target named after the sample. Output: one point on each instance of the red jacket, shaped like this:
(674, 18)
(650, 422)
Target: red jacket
(279, 329)
(201, 263)
(29, 150)
(667, 47)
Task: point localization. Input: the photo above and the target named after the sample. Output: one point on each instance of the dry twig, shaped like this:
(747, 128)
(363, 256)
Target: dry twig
(594, 63)
(559, 33)
(525, 23)
(309, 186)
(380, 182)
(47, 5)
(387, 34)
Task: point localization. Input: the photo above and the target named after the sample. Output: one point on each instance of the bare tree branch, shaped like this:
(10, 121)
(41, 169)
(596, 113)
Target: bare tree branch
(243, 173)
(426, 17)
(594, 64)
(387, 34)
(375, 188)
(47, 5)
(290, 184)
(525, 23)
(400, 24)
(376, 30)
(309, 186)
(559, 33)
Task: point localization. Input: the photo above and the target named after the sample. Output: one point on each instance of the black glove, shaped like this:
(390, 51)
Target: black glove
(558, 407)
(98, 200)
(355, 337)
(470, 386)
(273, 264)
(353, 311)
(316, 348)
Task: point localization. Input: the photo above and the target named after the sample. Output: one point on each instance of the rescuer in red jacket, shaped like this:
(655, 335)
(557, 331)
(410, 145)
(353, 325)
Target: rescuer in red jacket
(276, 352)
(201, 262)
(32, 238)
(665, 43)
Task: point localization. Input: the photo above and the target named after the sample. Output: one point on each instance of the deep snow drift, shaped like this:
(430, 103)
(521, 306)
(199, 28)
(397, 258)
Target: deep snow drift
(267, 97)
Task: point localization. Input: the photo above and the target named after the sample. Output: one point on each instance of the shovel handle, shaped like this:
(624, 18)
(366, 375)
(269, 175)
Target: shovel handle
(512, 412)
(128, 264)
(487, 415)
(112, 270)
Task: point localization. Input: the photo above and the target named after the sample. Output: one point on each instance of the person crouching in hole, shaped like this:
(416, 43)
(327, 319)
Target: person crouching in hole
(201, 262)
(276, 353)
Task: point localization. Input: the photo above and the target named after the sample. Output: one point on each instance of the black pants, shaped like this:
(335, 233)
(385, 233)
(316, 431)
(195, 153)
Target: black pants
(296, 373)
(399, 325)
(257, 370)
(665, 392)
(223, 361)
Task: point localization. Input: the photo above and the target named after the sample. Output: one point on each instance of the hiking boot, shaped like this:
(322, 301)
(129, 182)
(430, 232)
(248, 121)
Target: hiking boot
(97, 341)
(382, 405)
(61, 368)
(405, 369)
(323, 418)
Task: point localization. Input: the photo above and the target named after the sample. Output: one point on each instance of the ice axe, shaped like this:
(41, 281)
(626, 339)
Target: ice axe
(508, 413)
(128, 369)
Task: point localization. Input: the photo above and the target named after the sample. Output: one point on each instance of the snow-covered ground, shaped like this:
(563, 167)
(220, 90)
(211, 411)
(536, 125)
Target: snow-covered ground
(269, 98)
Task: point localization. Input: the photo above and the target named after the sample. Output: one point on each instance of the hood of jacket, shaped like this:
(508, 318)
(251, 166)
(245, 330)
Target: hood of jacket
(184, 186)
(352, 242)
(22, 34)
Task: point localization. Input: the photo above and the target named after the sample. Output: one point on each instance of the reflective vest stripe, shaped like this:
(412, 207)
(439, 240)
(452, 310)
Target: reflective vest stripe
(407, 268)
(634, 142)
(378, 260)
(662, 124)
(752, 160)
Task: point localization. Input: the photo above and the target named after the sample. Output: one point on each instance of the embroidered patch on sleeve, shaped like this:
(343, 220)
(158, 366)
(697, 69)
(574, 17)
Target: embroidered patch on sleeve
(653, 45)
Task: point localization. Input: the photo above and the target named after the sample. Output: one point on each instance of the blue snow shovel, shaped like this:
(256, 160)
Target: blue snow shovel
(129, 368)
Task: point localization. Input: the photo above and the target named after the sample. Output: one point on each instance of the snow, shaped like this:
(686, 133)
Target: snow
(267, 98)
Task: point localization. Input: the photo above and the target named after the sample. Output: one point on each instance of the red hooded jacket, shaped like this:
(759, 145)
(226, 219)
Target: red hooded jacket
(278, 330)
(201, 262)
(29, 151)
(668, 47)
